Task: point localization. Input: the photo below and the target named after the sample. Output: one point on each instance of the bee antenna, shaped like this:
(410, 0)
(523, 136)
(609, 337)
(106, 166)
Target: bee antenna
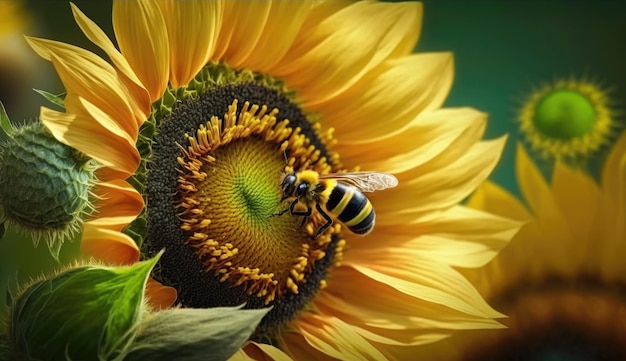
(285, 155)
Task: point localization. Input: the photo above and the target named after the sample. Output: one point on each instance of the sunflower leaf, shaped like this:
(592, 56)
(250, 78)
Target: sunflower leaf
(53, 98)
(194, 334)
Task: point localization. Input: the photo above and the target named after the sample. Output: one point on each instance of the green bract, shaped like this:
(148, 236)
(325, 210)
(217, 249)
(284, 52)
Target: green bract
(195, 334)
(97, 313)
(85, 313)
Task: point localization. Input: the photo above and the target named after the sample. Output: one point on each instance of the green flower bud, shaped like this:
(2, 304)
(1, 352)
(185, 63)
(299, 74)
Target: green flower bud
(85, 313)
(44, 184)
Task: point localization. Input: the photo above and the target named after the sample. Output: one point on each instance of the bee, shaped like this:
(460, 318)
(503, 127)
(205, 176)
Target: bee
(337, 194)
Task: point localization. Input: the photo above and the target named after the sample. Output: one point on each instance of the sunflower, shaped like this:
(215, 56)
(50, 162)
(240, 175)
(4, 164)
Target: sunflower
(570, 119)
(562, 278)
(204, 109)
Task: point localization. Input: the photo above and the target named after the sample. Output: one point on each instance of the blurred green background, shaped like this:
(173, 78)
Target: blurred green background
(502, 49)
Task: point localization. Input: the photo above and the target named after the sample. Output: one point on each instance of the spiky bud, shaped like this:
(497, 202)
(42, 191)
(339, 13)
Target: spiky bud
(44, 184)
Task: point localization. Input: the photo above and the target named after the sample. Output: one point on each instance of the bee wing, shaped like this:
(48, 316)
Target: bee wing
(365, 181)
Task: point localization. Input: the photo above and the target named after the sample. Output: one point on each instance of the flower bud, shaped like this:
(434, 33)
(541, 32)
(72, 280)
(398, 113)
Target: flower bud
(44, 184)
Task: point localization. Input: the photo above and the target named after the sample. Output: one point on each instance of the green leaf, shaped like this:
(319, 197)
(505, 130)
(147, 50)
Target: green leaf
(5, 122)
(86, 313)
(189, 334)
(53, 98)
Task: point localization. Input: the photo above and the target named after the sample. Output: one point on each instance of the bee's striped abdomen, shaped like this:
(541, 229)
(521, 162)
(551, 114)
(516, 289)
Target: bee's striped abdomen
(352, 208)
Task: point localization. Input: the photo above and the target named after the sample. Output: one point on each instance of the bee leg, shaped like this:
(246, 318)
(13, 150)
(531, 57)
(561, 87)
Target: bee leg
(291, 208)
(280, 213)
(304, 218)
(305, 214)
(329, 220)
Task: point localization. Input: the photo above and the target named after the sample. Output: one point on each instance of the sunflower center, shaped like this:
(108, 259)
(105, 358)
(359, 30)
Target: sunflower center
(568, 120)
(214, 202)
(228, 209)
(245, 182)
(565, 114)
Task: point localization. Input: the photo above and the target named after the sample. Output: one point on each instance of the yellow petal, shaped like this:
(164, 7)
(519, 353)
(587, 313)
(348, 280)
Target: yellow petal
(460, 236)
(192, 29)
(609, 227)
(388, 97)
(283, 24)
(427, 137)
(408, 271)
(336, 338)
(613, 171)
(333, 52)
(442, 350)
(468, 141)
(241, 29)
(530, 257)
(107, 245)
(117, 205)
(240, 355)
(259, 352)
(85, 74)
(299, 349)
(540, 199)
(273, 352)
(139, 98)
(97, 136)
(614, 190)
(437, 189)
(141, 34)
(381, 313)
(467, 223)
(460, 252)
(256, 35)
(577, 197)
(105, 174)
(159, 295)
(492, 198)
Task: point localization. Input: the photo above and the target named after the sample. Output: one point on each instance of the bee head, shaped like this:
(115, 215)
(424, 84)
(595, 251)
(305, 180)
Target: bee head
(302, 189)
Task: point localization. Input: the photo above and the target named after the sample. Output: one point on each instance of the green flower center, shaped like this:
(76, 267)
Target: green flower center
(252, 179)
(564, 114)
(213, 189)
